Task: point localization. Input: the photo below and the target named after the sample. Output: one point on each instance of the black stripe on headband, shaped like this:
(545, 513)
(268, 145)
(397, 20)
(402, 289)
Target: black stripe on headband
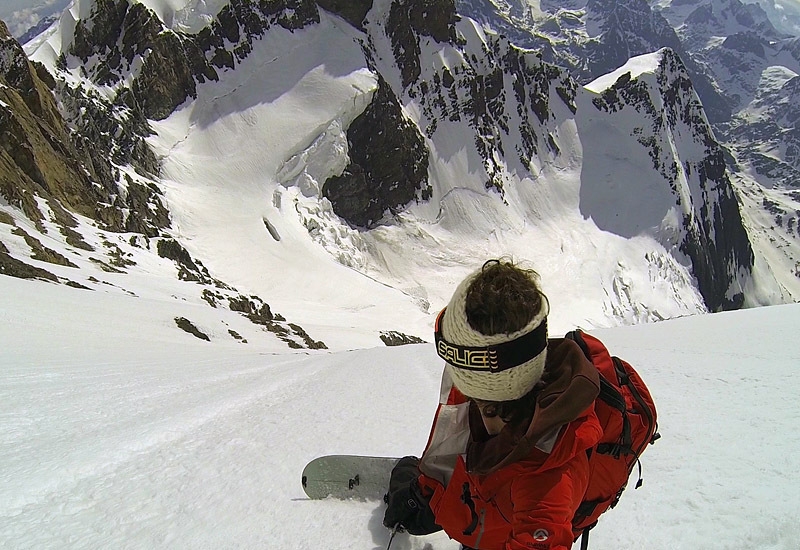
(494, 358)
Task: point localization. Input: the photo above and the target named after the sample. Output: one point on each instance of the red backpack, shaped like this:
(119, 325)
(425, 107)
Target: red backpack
(627, 415)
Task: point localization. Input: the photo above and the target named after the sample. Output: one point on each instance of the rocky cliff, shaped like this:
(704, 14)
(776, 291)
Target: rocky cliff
(62, 157)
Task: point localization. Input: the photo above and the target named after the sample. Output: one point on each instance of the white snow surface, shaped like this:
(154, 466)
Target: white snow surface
(635, 66)
(118, 432)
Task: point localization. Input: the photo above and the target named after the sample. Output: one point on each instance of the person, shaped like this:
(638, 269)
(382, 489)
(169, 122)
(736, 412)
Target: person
(506, 465)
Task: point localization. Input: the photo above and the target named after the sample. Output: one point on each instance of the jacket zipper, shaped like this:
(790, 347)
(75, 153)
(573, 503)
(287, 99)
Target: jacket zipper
(482, 524)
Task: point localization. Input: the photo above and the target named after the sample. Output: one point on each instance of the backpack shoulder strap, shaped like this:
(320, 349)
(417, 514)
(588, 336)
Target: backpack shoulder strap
(577, 337)
(608, 393)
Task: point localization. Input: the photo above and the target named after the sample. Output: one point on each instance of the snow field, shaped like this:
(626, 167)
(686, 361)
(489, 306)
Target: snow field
(152, 438)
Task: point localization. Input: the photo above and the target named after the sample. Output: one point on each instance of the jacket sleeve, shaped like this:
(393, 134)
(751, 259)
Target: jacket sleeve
(543, 505)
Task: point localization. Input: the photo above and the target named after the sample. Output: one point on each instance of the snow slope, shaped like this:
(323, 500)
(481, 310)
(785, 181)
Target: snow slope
(118, 432)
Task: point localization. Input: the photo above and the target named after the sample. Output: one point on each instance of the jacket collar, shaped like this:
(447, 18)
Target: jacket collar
(568, 388)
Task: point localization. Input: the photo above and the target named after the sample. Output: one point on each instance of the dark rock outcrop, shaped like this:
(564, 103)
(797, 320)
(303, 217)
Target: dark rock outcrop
(394, 338)
(388, 164)
(352, 11)
(13, 267)
(187, 326)
(408, 20)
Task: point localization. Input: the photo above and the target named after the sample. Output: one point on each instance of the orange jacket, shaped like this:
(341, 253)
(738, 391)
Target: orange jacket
(527, 496)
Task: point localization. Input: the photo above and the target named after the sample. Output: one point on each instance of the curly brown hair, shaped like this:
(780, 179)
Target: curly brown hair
(503, 298)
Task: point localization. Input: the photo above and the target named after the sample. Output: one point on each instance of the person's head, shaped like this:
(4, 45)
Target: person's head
(493, 335)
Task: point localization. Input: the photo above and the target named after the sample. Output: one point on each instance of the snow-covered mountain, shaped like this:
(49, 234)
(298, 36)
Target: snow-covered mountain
(251, 155)
(734, 53)
(24, 16)
(594, 37)
(113, 438)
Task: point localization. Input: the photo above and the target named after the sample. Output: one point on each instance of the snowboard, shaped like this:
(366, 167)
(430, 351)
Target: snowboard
(348, 477)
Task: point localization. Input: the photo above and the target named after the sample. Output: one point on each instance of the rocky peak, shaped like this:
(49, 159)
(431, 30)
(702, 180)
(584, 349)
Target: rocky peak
(701, 15)
(115, 36)
(713, 234)
(631, 28)
(725, 18)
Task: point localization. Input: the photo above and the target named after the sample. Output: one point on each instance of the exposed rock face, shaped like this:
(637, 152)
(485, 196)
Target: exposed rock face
(408, 20)
(725, 73)
(229, 38)
(36, 155)
(388, 164)
(41, 156)
(67, 162)
(389, 159)
(118, 34)
(115, 35)
(488, 93)
(353, 11)
(745, 42)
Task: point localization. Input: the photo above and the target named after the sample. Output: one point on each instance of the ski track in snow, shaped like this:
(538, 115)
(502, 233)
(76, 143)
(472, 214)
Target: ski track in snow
(186, 444)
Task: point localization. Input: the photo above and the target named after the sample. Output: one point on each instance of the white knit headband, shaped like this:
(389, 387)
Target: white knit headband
(505, 385)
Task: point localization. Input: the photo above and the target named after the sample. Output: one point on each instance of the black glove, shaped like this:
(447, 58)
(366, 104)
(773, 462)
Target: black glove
(407, 507)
